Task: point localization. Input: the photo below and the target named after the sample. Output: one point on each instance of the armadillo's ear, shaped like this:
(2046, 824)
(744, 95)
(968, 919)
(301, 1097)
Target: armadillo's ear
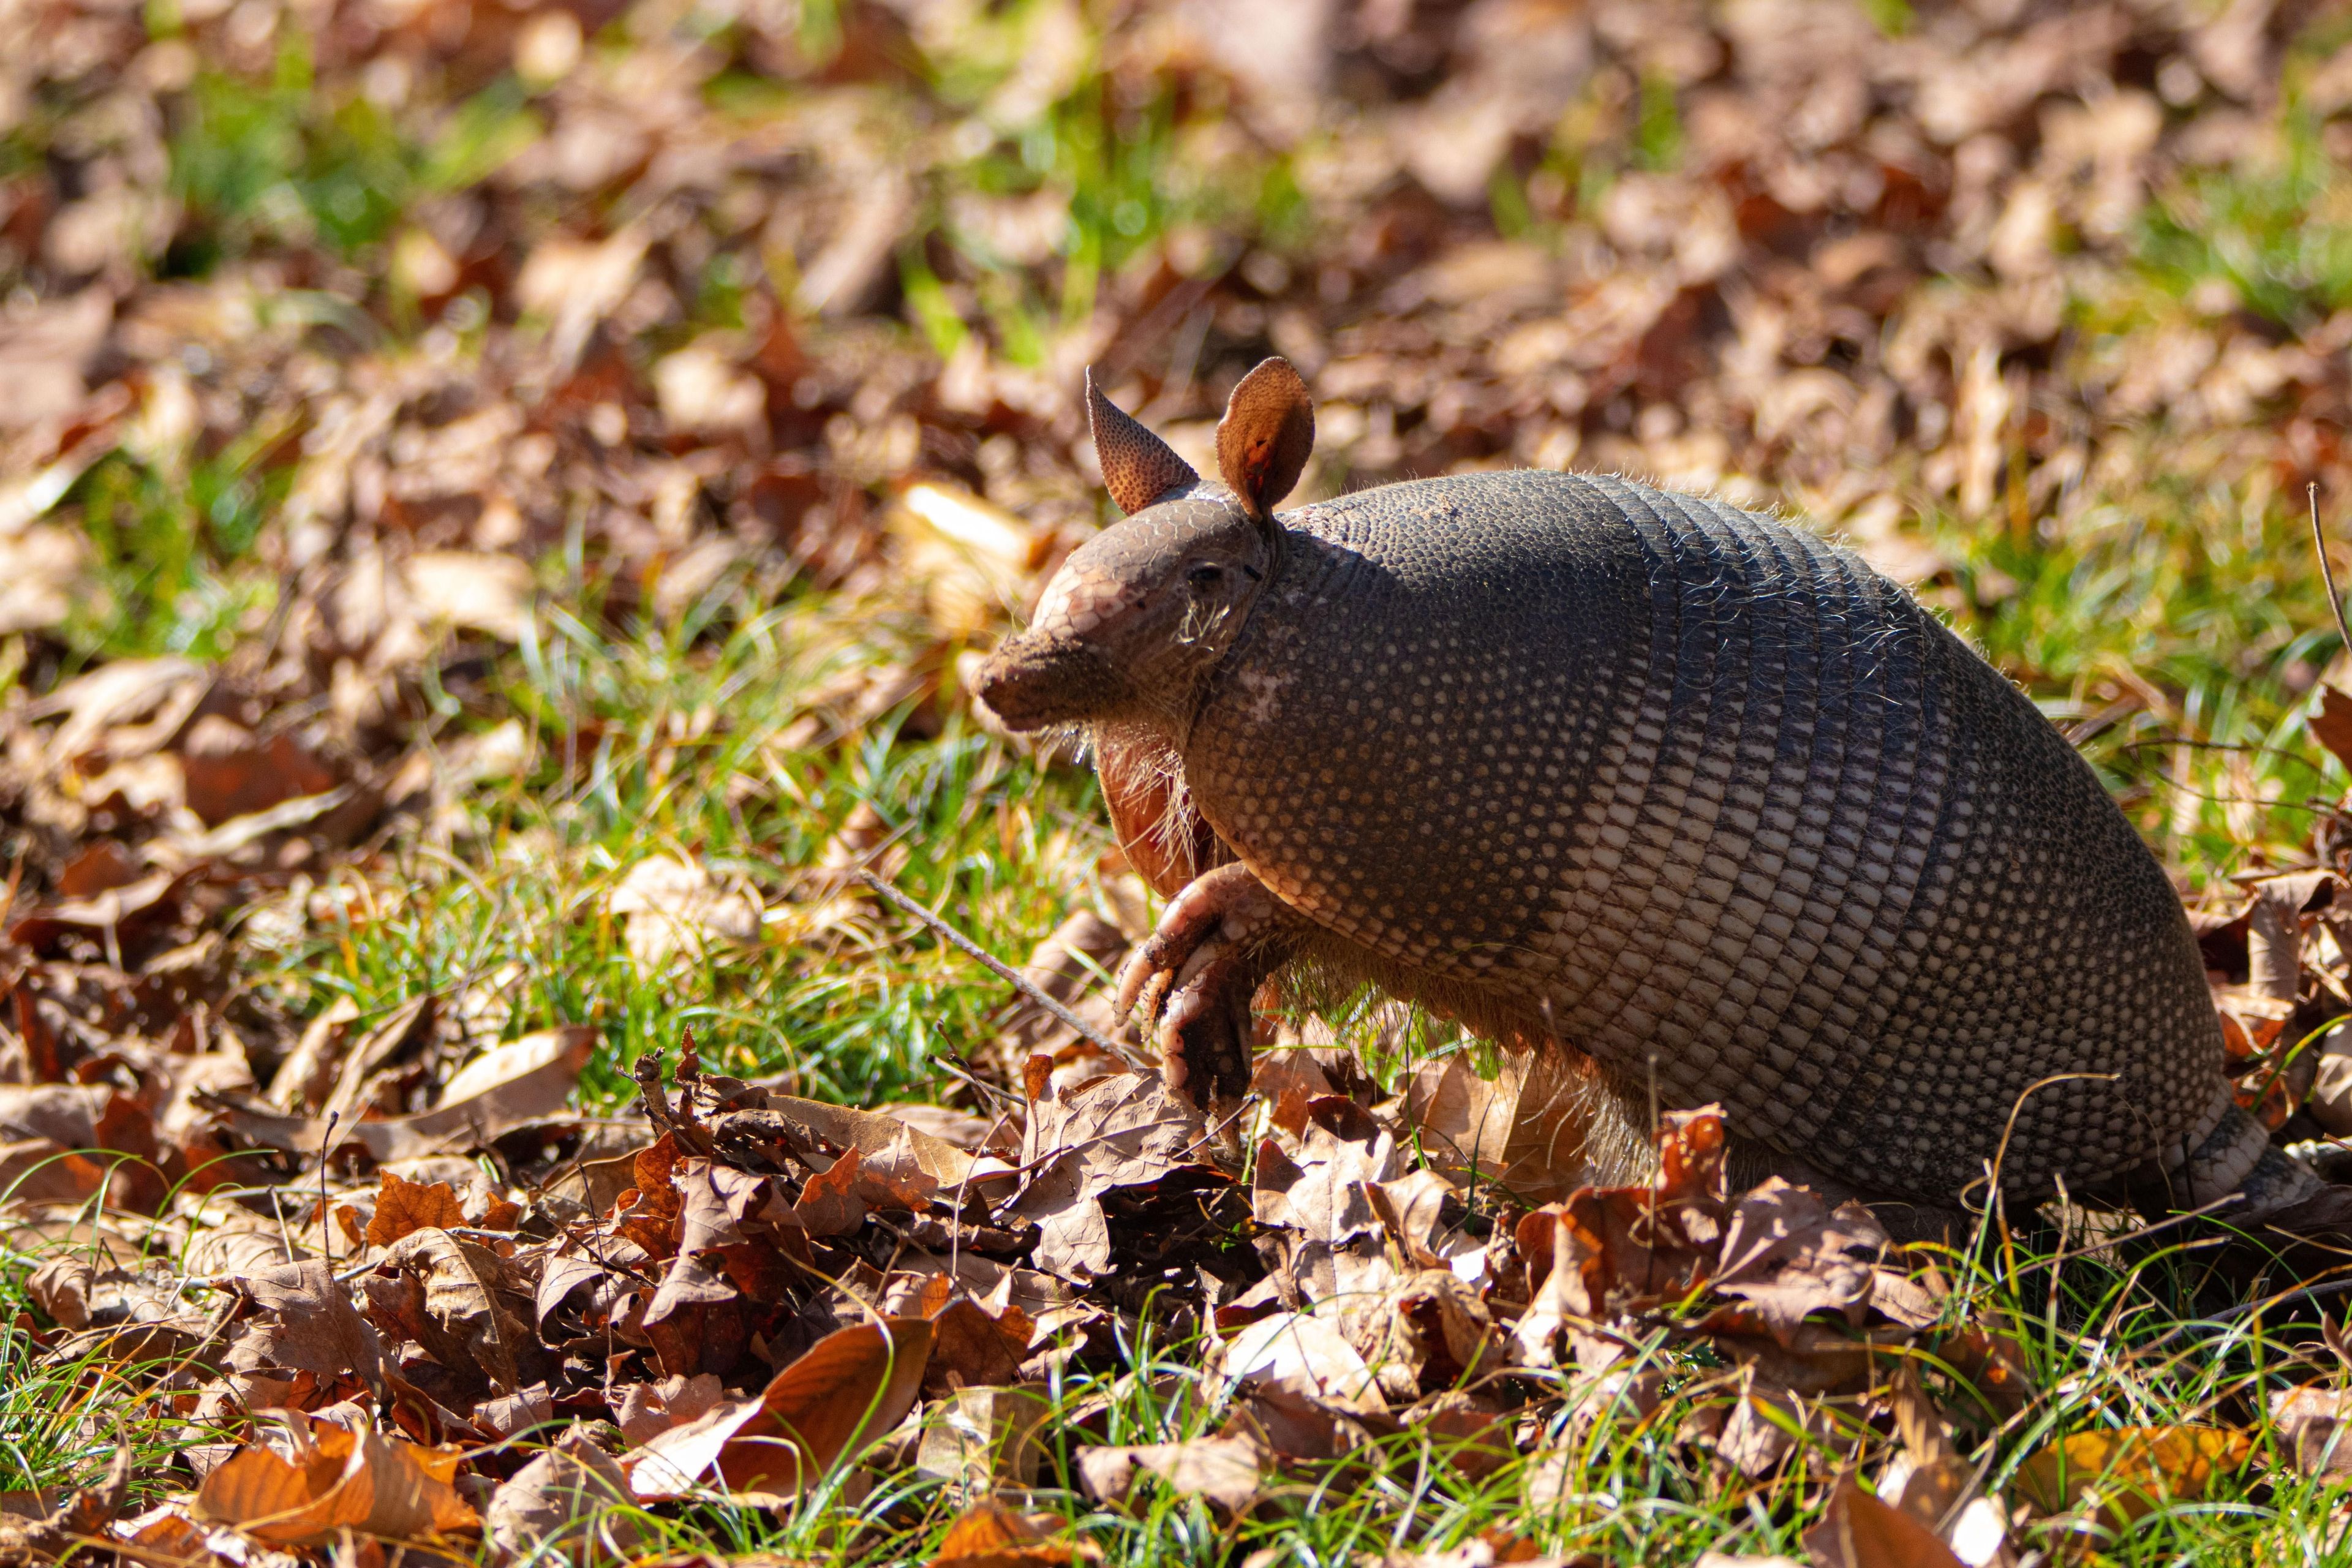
(1137, 467)
(1264, 440)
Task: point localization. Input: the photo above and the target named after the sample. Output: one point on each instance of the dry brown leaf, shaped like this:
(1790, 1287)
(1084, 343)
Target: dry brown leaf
(544, 1077)
(989, 1436)
(1127, 1129)
(829, 1203)
(1428, 1334)
(2310, 1422)
(471, 589)
(1857, 1531)
(466, 1323)
(1227, 1471)
(41, 1528)
(306, 1076)
(852, 1385)
(348, 1478)
(1608, 1250)
(43, 353)
(1523, 1130)
(989, 1535)
(230, 772)
(1306, 1354)
(972, 1347)
(1928, 1479)
(649, 1409)
(567, 1502)
(403, 1207)
(2332, 725)
(308, 1323)
(1787, 1254)
(1320, 1188)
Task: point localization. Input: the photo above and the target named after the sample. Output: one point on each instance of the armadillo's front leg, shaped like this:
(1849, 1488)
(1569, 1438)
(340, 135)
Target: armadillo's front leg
(1219, 938)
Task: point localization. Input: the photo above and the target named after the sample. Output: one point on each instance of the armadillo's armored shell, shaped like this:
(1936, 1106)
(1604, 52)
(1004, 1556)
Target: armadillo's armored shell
(1690, 790)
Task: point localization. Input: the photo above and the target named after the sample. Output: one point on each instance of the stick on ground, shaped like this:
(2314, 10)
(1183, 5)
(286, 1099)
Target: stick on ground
(2327, 572)
(1002, 970)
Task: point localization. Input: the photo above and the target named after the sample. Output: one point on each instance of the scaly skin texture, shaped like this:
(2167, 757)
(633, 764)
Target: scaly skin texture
(1692, 793)
(1591, 766)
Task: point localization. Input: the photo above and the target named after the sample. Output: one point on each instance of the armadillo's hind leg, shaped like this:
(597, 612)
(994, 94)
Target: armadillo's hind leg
(1219, 938)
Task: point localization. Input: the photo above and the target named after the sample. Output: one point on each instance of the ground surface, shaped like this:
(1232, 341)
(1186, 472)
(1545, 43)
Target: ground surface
(497, 508)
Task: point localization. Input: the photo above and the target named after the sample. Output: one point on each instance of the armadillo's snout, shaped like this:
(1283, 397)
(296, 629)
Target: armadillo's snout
(1033, 682)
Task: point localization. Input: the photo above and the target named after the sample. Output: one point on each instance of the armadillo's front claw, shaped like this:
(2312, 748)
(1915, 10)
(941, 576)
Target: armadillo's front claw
(1219, 938)
(1204, 1036)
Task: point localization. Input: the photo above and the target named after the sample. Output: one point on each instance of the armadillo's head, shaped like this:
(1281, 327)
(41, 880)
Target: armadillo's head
(1140, 615)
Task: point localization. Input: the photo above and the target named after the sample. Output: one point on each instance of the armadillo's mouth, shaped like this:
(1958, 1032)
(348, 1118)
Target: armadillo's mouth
(1033, 682)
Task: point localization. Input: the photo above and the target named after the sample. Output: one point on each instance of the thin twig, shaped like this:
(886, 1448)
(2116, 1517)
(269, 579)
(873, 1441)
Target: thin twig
(2327, 572)
(996, 966)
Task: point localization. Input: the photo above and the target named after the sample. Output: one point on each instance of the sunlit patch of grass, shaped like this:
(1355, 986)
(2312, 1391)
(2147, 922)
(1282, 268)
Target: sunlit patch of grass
(255, 160)
(675, 740)
(172, 554)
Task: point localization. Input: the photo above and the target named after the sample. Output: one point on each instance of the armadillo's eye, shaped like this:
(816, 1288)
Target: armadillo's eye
(1205, 578)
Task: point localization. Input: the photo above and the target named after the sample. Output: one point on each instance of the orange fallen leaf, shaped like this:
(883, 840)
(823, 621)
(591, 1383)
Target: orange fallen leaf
(990, 1535)
(1858, 1531)
(350, 1478)
(405, 1206)
(2131, 1470)
(852, 1386)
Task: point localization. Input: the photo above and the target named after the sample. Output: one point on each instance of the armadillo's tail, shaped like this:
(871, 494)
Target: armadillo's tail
(2253, 1184)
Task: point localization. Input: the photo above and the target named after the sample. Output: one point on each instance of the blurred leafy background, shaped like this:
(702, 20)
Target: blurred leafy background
(561, 460)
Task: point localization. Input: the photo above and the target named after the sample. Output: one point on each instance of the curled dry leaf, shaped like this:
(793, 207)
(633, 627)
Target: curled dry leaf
(986, 1435)
(989, 1535)
(342, 1477)
(542, 1070)
(1928, 1479)
(569, 1501)
(1857, 1531)
(852, 1386)
(1523, 1130)
(1427, 1333)
(465, 1320)
(1608, 1250)
(2311, 1428)
(1228, 1470)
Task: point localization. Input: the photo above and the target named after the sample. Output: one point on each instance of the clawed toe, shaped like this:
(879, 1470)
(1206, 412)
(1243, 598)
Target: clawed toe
(1195, 978)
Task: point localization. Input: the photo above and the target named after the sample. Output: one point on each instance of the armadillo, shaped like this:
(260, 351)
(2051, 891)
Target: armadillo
(1598, 767)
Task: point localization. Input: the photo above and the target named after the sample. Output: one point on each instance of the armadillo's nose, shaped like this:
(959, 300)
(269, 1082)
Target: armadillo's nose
(1031, 681)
